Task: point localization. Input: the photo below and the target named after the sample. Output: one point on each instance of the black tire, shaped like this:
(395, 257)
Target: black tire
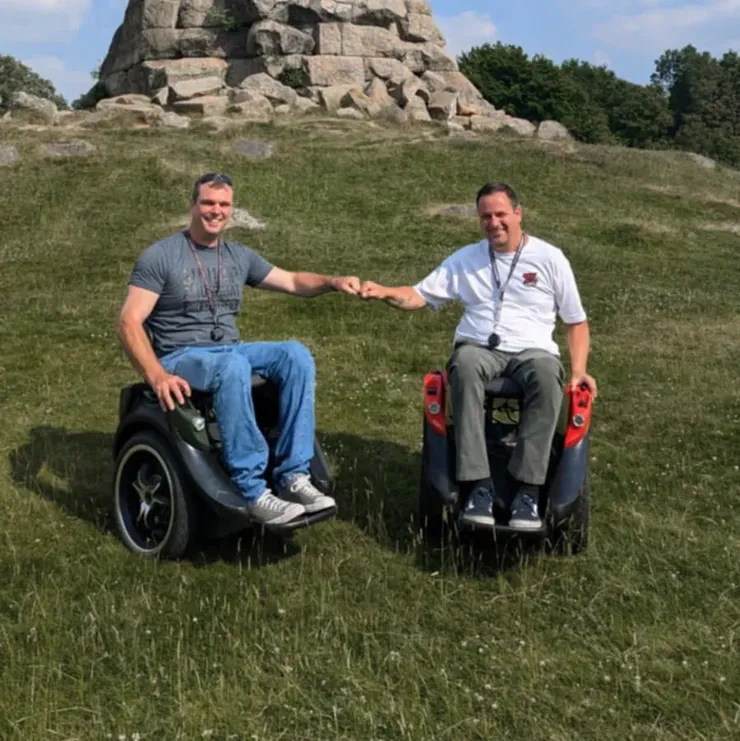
(155, 516)
(431, 519)
(430, 512)
(571, 537)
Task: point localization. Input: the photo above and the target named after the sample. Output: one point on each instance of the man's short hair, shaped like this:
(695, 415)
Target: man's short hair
(490, 189)
(210, 178)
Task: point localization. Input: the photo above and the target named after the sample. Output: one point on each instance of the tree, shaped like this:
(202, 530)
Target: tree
(636, 115)
(704, 98)
(500, 72)
(578, 95)
(91, 98)
(692, 101)
(533, 89)
(16, 77)
(94, 95)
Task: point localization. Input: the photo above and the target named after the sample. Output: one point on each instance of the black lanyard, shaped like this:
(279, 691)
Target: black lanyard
(210, 295)
(497, 278)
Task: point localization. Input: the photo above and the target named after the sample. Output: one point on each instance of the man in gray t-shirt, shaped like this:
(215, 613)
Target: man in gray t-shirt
(178, 327)
(182, 316)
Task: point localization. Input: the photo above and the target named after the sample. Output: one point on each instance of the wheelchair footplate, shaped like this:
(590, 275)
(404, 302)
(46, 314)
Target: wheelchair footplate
(304, 521)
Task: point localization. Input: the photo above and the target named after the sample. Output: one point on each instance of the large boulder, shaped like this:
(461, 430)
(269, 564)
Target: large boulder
(33, 108)
(269, 88)
(269, 39)
(552, 131)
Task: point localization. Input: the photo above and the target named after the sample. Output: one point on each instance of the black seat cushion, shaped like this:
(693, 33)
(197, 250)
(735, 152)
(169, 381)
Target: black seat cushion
(504, 388)
(204, 399)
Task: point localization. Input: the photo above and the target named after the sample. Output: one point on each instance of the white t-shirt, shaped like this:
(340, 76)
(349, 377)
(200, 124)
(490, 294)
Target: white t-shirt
(542, 287)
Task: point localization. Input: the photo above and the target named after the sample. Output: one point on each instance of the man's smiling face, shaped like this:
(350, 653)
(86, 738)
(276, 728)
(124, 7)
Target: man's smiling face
(211, 212)
(500, 221)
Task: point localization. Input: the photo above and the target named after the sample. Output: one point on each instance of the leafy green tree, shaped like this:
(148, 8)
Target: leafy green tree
(588, 123)
(501, 73)
(636, 115)
(704, 98)
(16, 77)
(692, 101)
(95, 94)
(91, 98)
(535, 89)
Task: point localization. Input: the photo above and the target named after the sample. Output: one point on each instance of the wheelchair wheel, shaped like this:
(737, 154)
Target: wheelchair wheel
(434, 519)
(154, 514)
(571, 538)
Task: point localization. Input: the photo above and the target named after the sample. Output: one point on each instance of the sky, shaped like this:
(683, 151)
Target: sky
(64, 40)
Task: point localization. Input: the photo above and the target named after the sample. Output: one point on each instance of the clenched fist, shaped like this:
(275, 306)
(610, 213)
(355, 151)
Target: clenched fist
(349, 284)
(371, 290)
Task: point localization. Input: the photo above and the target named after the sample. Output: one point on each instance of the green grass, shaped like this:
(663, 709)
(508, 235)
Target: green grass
(352, 631)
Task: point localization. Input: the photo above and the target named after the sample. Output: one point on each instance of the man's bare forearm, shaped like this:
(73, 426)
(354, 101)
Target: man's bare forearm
(139, 350)
(579, 345)
(309, 285)
(404, 298)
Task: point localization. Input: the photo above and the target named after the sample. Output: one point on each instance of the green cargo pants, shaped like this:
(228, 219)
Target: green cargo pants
(540, 374)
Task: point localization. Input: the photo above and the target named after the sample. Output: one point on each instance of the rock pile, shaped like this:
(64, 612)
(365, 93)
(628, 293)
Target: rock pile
(251, 59)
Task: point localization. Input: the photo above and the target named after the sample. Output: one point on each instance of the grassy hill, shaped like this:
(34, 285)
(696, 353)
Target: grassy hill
(353, 631)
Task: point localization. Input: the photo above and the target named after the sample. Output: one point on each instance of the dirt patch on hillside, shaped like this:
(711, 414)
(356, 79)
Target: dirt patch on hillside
(454, 210)
(705, 197)
(649, 225)
(722, 226)
(723, 201)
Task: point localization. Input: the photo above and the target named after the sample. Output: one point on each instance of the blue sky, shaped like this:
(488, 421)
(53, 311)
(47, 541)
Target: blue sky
(63, 40)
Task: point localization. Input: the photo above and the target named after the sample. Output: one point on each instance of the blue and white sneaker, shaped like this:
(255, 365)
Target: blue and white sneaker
(478, 511)
(524, 514)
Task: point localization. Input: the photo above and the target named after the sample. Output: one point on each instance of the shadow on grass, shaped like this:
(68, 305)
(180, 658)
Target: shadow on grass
(377, 487)
(74, 470)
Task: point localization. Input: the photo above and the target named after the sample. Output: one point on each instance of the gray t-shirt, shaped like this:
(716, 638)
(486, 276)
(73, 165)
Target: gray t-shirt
(182, 316)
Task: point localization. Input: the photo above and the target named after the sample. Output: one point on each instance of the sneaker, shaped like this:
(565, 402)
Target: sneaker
(268, 509)
(524, 513)
(478, 509)
(301, 490)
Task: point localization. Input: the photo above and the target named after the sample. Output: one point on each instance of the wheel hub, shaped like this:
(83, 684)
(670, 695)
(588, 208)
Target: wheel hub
(151, 503)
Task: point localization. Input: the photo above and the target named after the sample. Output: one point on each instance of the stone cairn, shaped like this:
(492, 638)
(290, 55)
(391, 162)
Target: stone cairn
(253, 59)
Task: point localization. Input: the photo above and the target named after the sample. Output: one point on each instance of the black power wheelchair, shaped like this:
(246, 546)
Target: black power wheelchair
(170, 485)
(564, 504)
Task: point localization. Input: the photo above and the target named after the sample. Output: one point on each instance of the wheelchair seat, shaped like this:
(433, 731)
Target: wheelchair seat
(264, 395)
(203, 400)
(265, 400)
(503, 388)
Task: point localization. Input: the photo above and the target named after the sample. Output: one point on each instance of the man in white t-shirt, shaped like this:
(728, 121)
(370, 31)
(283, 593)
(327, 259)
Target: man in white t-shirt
(512, 286)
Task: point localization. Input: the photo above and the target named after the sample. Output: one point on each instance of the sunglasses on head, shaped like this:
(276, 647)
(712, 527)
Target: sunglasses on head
(214, 177)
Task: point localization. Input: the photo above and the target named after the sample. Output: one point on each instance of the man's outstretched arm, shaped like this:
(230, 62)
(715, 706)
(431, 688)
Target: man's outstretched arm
(308, 285)
(404, 298)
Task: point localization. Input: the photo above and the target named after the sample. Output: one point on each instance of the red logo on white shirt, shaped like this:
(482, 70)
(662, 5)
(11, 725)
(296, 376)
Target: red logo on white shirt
(530, 279)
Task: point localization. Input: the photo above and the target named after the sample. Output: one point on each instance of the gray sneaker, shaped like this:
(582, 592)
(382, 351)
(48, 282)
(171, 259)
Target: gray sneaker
(478, 510)
(301, 490)
(268, 510)
(524, 513)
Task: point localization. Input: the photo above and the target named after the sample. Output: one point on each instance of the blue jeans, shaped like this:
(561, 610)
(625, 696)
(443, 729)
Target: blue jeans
(226, 371)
